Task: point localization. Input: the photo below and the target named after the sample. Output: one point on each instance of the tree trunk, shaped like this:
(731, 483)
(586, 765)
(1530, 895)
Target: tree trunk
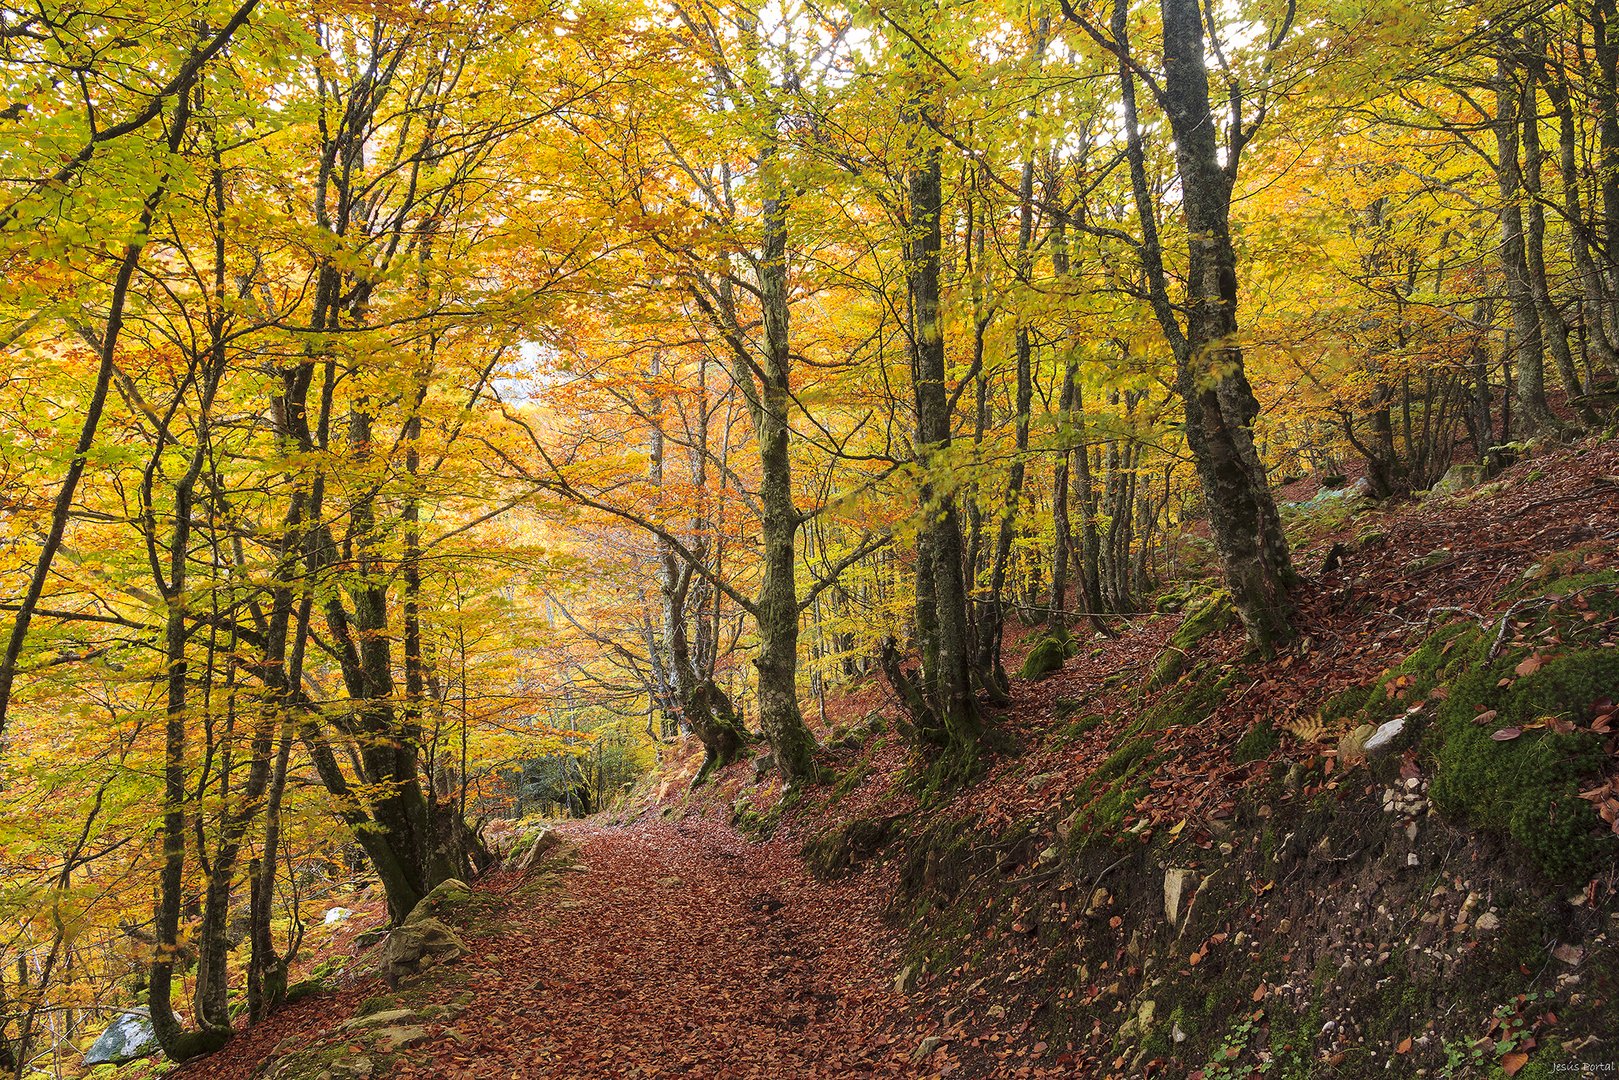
(948, 677)
(777, 604)
(1528, 343)
(1219, 404)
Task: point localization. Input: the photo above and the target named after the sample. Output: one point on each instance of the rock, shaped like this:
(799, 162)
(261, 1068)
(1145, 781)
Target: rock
(390, 1039)
(1384, 736)
(1176, 1033)
(447, 898)
(1487, 922)
(305, 988)
(335, 915)
(1568, 954)
(671, 882)
(1214, 614)
(128, 1037)
(905, 979)
(415, 944)
(761, 765)
(1176, 882)
(1459, 477)
(1352, 747)
(927, 1046)
(1049, 855)
(367, 938)
(536, 851)
(1046, 657)
(385, 1018)
(1099, 900)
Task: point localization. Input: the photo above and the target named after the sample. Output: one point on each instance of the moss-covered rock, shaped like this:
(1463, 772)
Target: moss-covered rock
(1046, 657)
(1212, 615)
(1527, 787)
(446, 901)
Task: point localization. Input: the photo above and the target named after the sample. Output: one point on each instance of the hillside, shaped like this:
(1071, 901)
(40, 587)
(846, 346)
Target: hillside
(1219, 876)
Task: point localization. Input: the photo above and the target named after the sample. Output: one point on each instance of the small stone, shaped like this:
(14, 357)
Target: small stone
(1487, 922)
(671, 882)
(1099, 900)
(1176, 1033)
(1176, 882)
(927, 1046)
(905, 979)
(1568, 954)
(1411, 831)
(1411, 859)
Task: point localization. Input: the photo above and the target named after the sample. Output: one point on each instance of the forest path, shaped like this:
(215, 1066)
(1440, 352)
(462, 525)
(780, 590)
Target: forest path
(677, 949)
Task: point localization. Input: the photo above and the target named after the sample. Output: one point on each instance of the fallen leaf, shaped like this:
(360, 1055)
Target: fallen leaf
(1259, 992)
(1513, 1062)
(1529, 665)
(1485, 717)
(1507, 734)
(1404, 1047)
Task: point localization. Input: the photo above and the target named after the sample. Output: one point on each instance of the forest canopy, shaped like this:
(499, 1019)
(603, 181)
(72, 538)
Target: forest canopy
(421, 413)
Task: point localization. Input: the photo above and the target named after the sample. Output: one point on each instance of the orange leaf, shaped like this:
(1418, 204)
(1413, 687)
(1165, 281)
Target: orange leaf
(1404, 1047)
(1529, 666)
(1513, 1062)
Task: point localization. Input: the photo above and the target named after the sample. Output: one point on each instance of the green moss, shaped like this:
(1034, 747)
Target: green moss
(1111, 792)
(1345, 703)
(1209, 617)
(1046, 657)
(1257, 742)
(1528, 788)
(1074, 730)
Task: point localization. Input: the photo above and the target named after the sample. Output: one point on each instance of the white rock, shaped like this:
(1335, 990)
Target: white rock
(1176, 882)
(1386, 733)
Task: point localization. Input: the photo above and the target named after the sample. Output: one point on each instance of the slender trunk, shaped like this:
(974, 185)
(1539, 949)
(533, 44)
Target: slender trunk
(1554, 326)
(1595, 300)
(1219, 403)
(939, 549)
(1529, 345)
(777, 604)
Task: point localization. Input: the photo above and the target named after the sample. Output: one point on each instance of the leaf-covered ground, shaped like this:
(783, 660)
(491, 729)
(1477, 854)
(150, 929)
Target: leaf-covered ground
(669, 949)
(675, 950)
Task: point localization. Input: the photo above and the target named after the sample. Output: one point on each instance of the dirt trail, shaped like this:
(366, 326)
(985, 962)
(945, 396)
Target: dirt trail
(680, 950)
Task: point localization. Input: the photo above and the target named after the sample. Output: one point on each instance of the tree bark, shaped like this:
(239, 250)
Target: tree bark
(941, 587)
(1220, 408)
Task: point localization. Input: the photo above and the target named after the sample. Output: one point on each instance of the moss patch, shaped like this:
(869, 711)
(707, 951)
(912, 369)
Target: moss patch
(1211, 616)
(1527, 788)
(1045, 658)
